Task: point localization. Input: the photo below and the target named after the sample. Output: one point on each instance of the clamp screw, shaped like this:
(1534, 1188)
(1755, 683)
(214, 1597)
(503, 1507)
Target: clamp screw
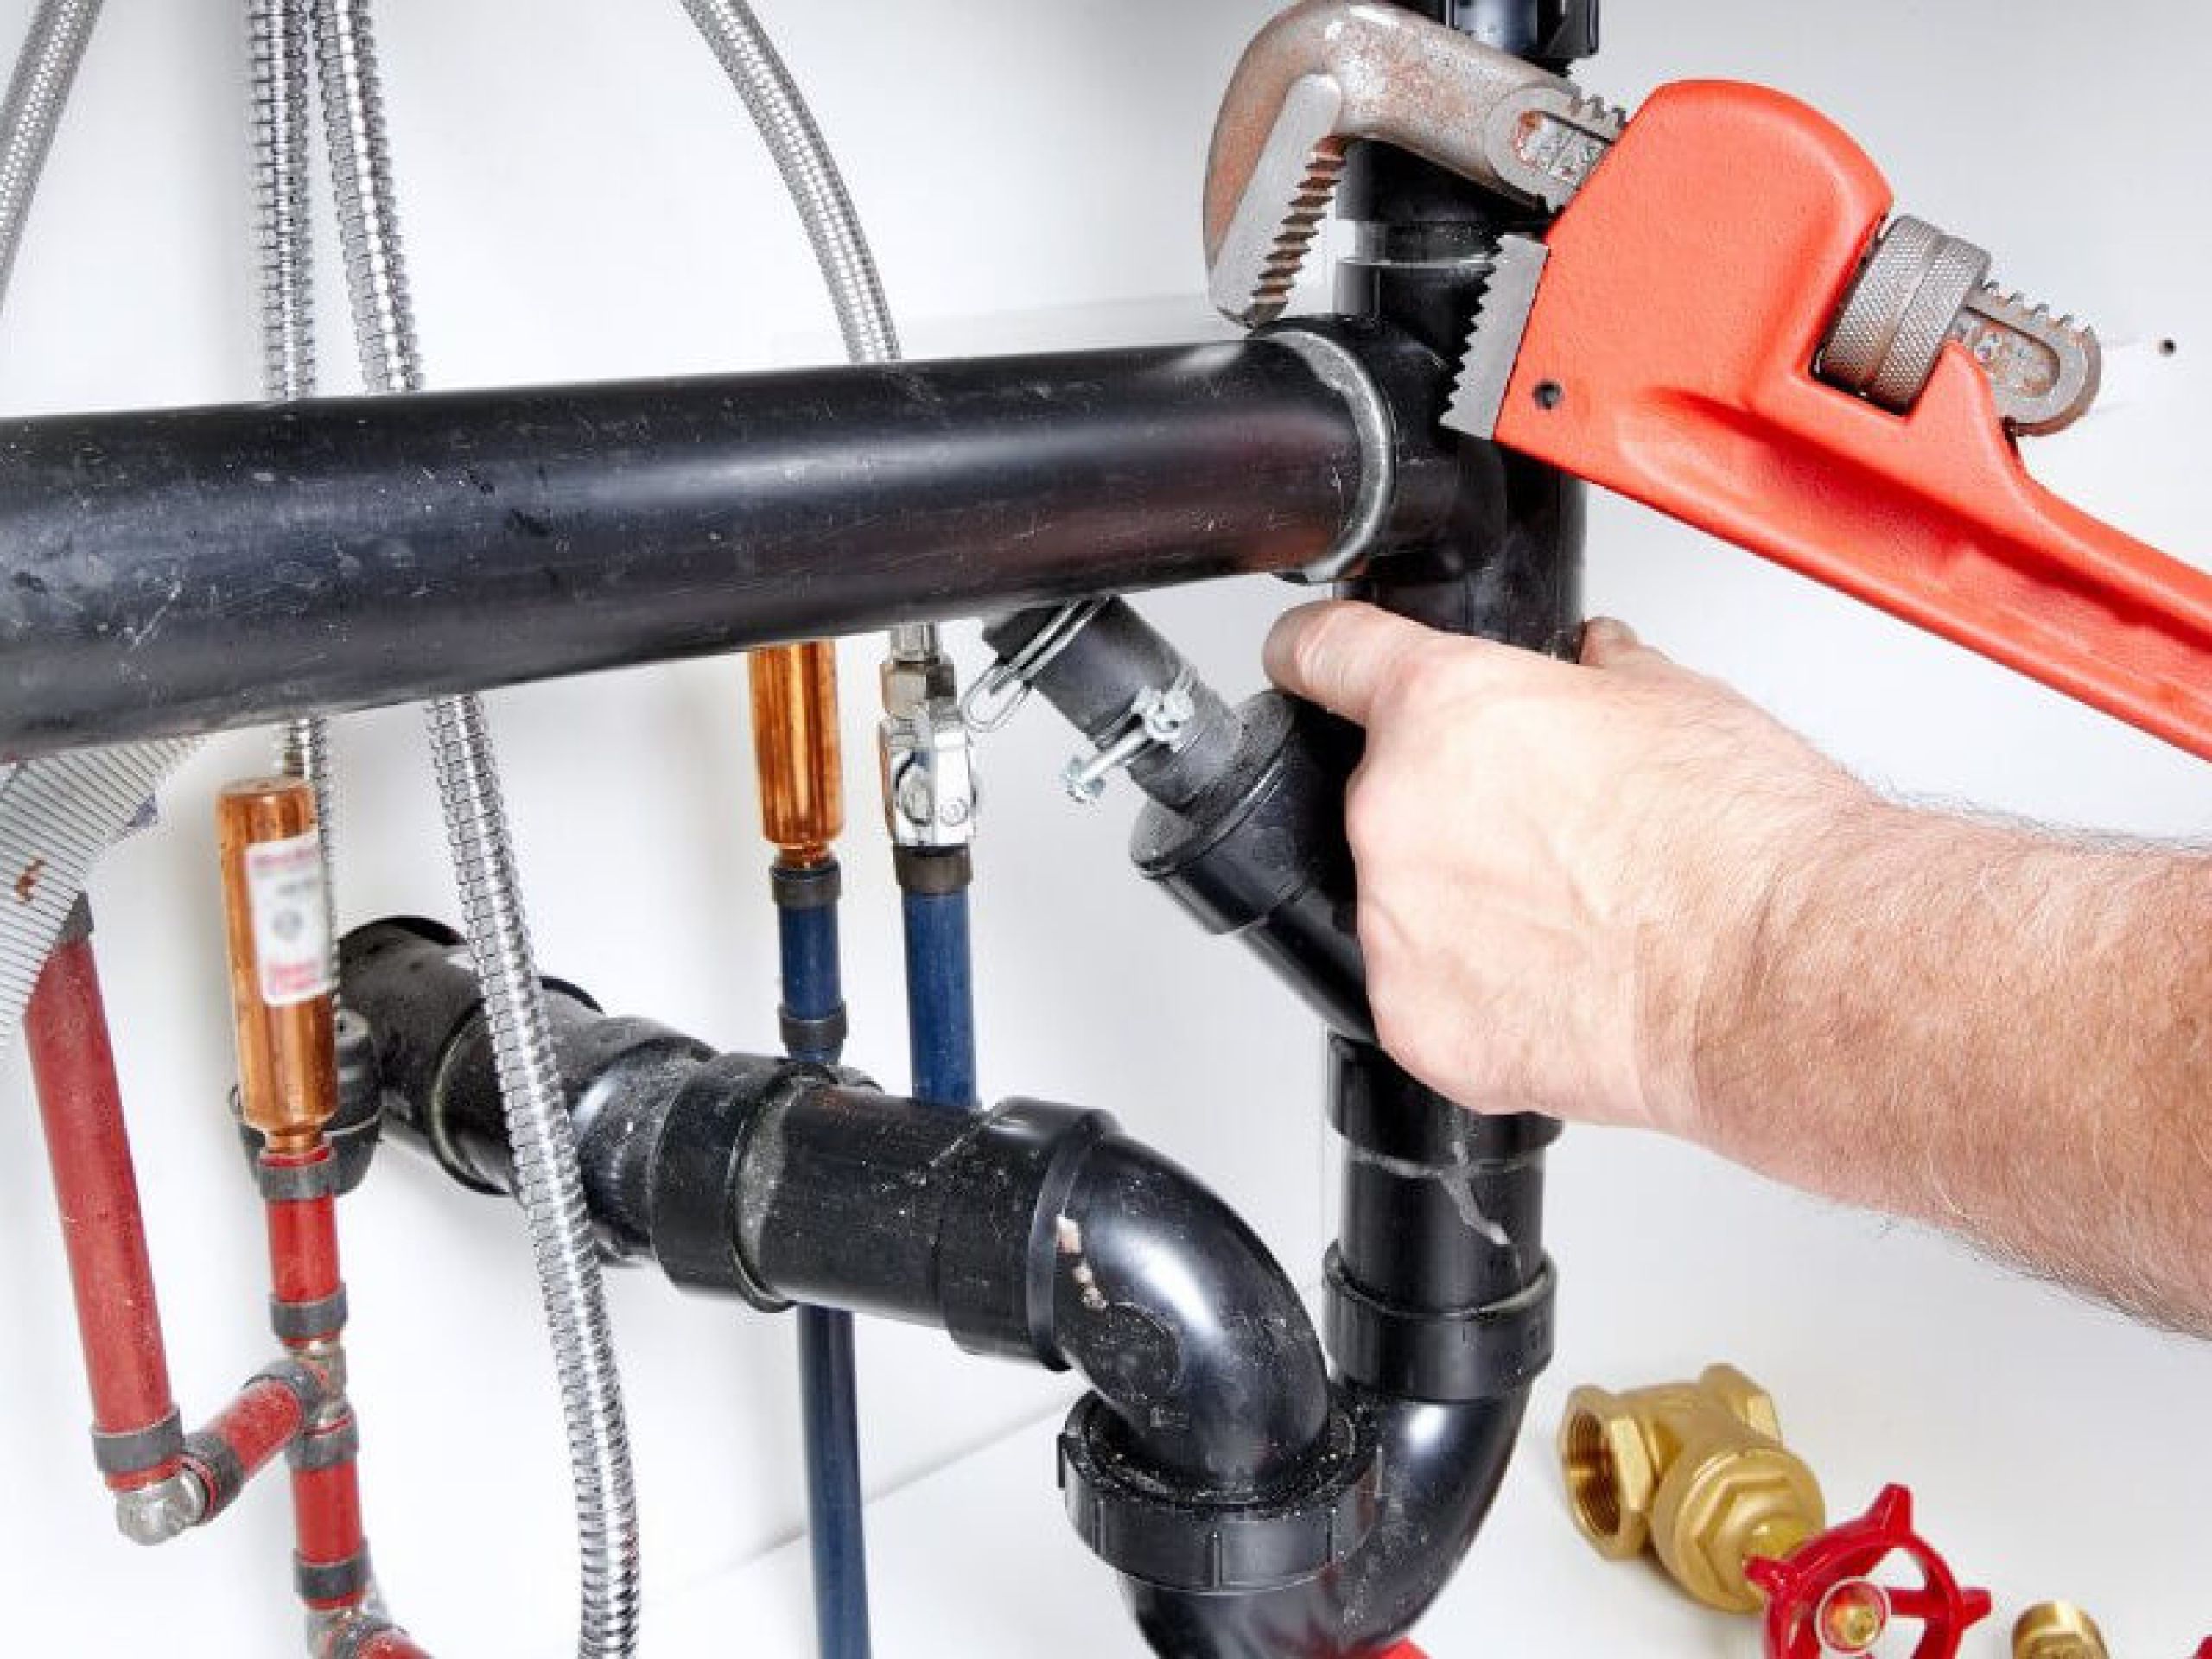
(1156, 718)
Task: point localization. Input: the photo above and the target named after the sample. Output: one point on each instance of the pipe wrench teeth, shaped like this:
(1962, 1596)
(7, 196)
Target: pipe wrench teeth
(2045, 372)
(1256, 264)
(1328, 72)
(1494, 347)
(1547, 141)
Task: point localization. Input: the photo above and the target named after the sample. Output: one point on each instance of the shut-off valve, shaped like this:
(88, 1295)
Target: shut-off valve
(1697, 1473)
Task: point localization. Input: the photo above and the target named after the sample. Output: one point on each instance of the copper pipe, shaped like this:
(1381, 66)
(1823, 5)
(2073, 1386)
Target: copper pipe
(797, 750)
(281, 989)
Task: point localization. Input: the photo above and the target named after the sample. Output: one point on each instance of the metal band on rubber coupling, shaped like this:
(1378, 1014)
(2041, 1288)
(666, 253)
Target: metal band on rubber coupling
(327, 1581)
(222, 1476)
(304, 1321)
(297, 1183)
(826, 1035)
(135, 1451)
(809, 887)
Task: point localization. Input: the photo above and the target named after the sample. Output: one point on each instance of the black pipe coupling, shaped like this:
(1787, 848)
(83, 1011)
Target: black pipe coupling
(1175, 1536)
(1438, 1287)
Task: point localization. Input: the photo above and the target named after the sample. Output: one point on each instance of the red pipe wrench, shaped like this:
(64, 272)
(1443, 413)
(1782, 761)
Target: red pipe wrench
(1724, 322)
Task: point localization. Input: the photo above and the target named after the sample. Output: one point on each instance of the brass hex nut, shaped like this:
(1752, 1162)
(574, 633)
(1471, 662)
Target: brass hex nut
(1752, 1501)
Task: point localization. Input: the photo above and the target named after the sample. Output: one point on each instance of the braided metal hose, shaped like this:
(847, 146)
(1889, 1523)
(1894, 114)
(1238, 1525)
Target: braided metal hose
(279, 36)
(278, 33)
(809, 171)
(817, 190)
(547, 1180)
(36, 96)
(57, 816)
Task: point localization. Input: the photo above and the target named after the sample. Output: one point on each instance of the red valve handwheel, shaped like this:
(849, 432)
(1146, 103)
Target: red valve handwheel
(1823, 1598)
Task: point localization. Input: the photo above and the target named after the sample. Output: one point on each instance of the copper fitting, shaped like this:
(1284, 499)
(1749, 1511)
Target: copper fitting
(2057, 1630)
(280, 948)
(797, 748)
(1694, 1470)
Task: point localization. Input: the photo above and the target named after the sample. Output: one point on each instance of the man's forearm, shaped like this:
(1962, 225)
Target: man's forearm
(1998, 1033)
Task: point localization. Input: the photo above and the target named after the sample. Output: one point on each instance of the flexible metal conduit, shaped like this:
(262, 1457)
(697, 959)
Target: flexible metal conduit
(57, 818)
(36, 96)
(547, 1180)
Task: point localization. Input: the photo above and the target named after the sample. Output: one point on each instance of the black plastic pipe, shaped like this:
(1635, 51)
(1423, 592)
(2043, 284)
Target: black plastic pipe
(1034, 1231)
(183, 571)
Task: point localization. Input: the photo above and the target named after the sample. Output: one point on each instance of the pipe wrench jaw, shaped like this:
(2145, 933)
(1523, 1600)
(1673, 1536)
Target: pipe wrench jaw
(1329, 73)
(1678, 338)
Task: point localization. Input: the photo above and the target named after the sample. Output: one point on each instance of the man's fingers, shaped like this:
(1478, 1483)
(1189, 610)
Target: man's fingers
(1340, 654)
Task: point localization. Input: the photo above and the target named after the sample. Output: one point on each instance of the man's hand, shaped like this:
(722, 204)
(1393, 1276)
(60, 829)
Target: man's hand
(1617, 893)
(1549, 853)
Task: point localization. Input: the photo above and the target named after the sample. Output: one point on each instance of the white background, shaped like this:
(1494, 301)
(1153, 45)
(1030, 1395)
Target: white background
(583, 198)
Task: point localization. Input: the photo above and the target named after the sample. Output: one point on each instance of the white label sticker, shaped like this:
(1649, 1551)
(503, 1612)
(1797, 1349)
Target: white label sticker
(291, 929)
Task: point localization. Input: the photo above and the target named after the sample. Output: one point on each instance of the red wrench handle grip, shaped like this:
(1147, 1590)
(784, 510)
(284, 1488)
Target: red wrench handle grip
(1669, 357)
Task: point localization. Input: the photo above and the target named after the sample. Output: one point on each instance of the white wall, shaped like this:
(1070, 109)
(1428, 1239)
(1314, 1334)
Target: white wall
(584, 198)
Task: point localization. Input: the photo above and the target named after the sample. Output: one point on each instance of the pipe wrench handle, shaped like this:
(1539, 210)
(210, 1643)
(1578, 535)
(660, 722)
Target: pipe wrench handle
(1670, 354)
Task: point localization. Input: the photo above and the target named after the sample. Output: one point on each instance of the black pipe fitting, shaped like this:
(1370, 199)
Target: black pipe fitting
(1034, 1231)
(1244, 825)
(1438, 1288)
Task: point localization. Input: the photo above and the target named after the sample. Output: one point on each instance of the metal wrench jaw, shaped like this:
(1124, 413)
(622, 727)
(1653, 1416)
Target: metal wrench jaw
(1326, 73)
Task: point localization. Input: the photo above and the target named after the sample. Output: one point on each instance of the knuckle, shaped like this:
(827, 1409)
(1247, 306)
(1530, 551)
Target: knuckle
(1320, 645)
(1370, 816)
(1420, 680)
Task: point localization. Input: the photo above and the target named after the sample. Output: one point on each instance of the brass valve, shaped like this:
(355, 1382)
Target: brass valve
(1695, 1471)
(2057, 1630)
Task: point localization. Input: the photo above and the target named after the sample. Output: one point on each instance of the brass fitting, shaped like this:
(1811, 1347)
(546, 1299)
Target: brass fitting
(2057, 1630)
(278, 928)
(1695, 1471)
(796, 749)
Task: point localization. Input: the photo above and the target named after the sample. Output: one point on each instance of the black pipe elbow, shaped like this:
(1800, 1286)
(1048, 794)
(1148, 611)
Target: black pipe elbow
(1176, 1314)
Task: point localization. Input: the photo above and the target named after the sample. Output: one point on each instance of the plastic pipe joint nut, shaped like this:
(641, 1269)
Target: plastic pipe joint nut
(1694, 1471)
